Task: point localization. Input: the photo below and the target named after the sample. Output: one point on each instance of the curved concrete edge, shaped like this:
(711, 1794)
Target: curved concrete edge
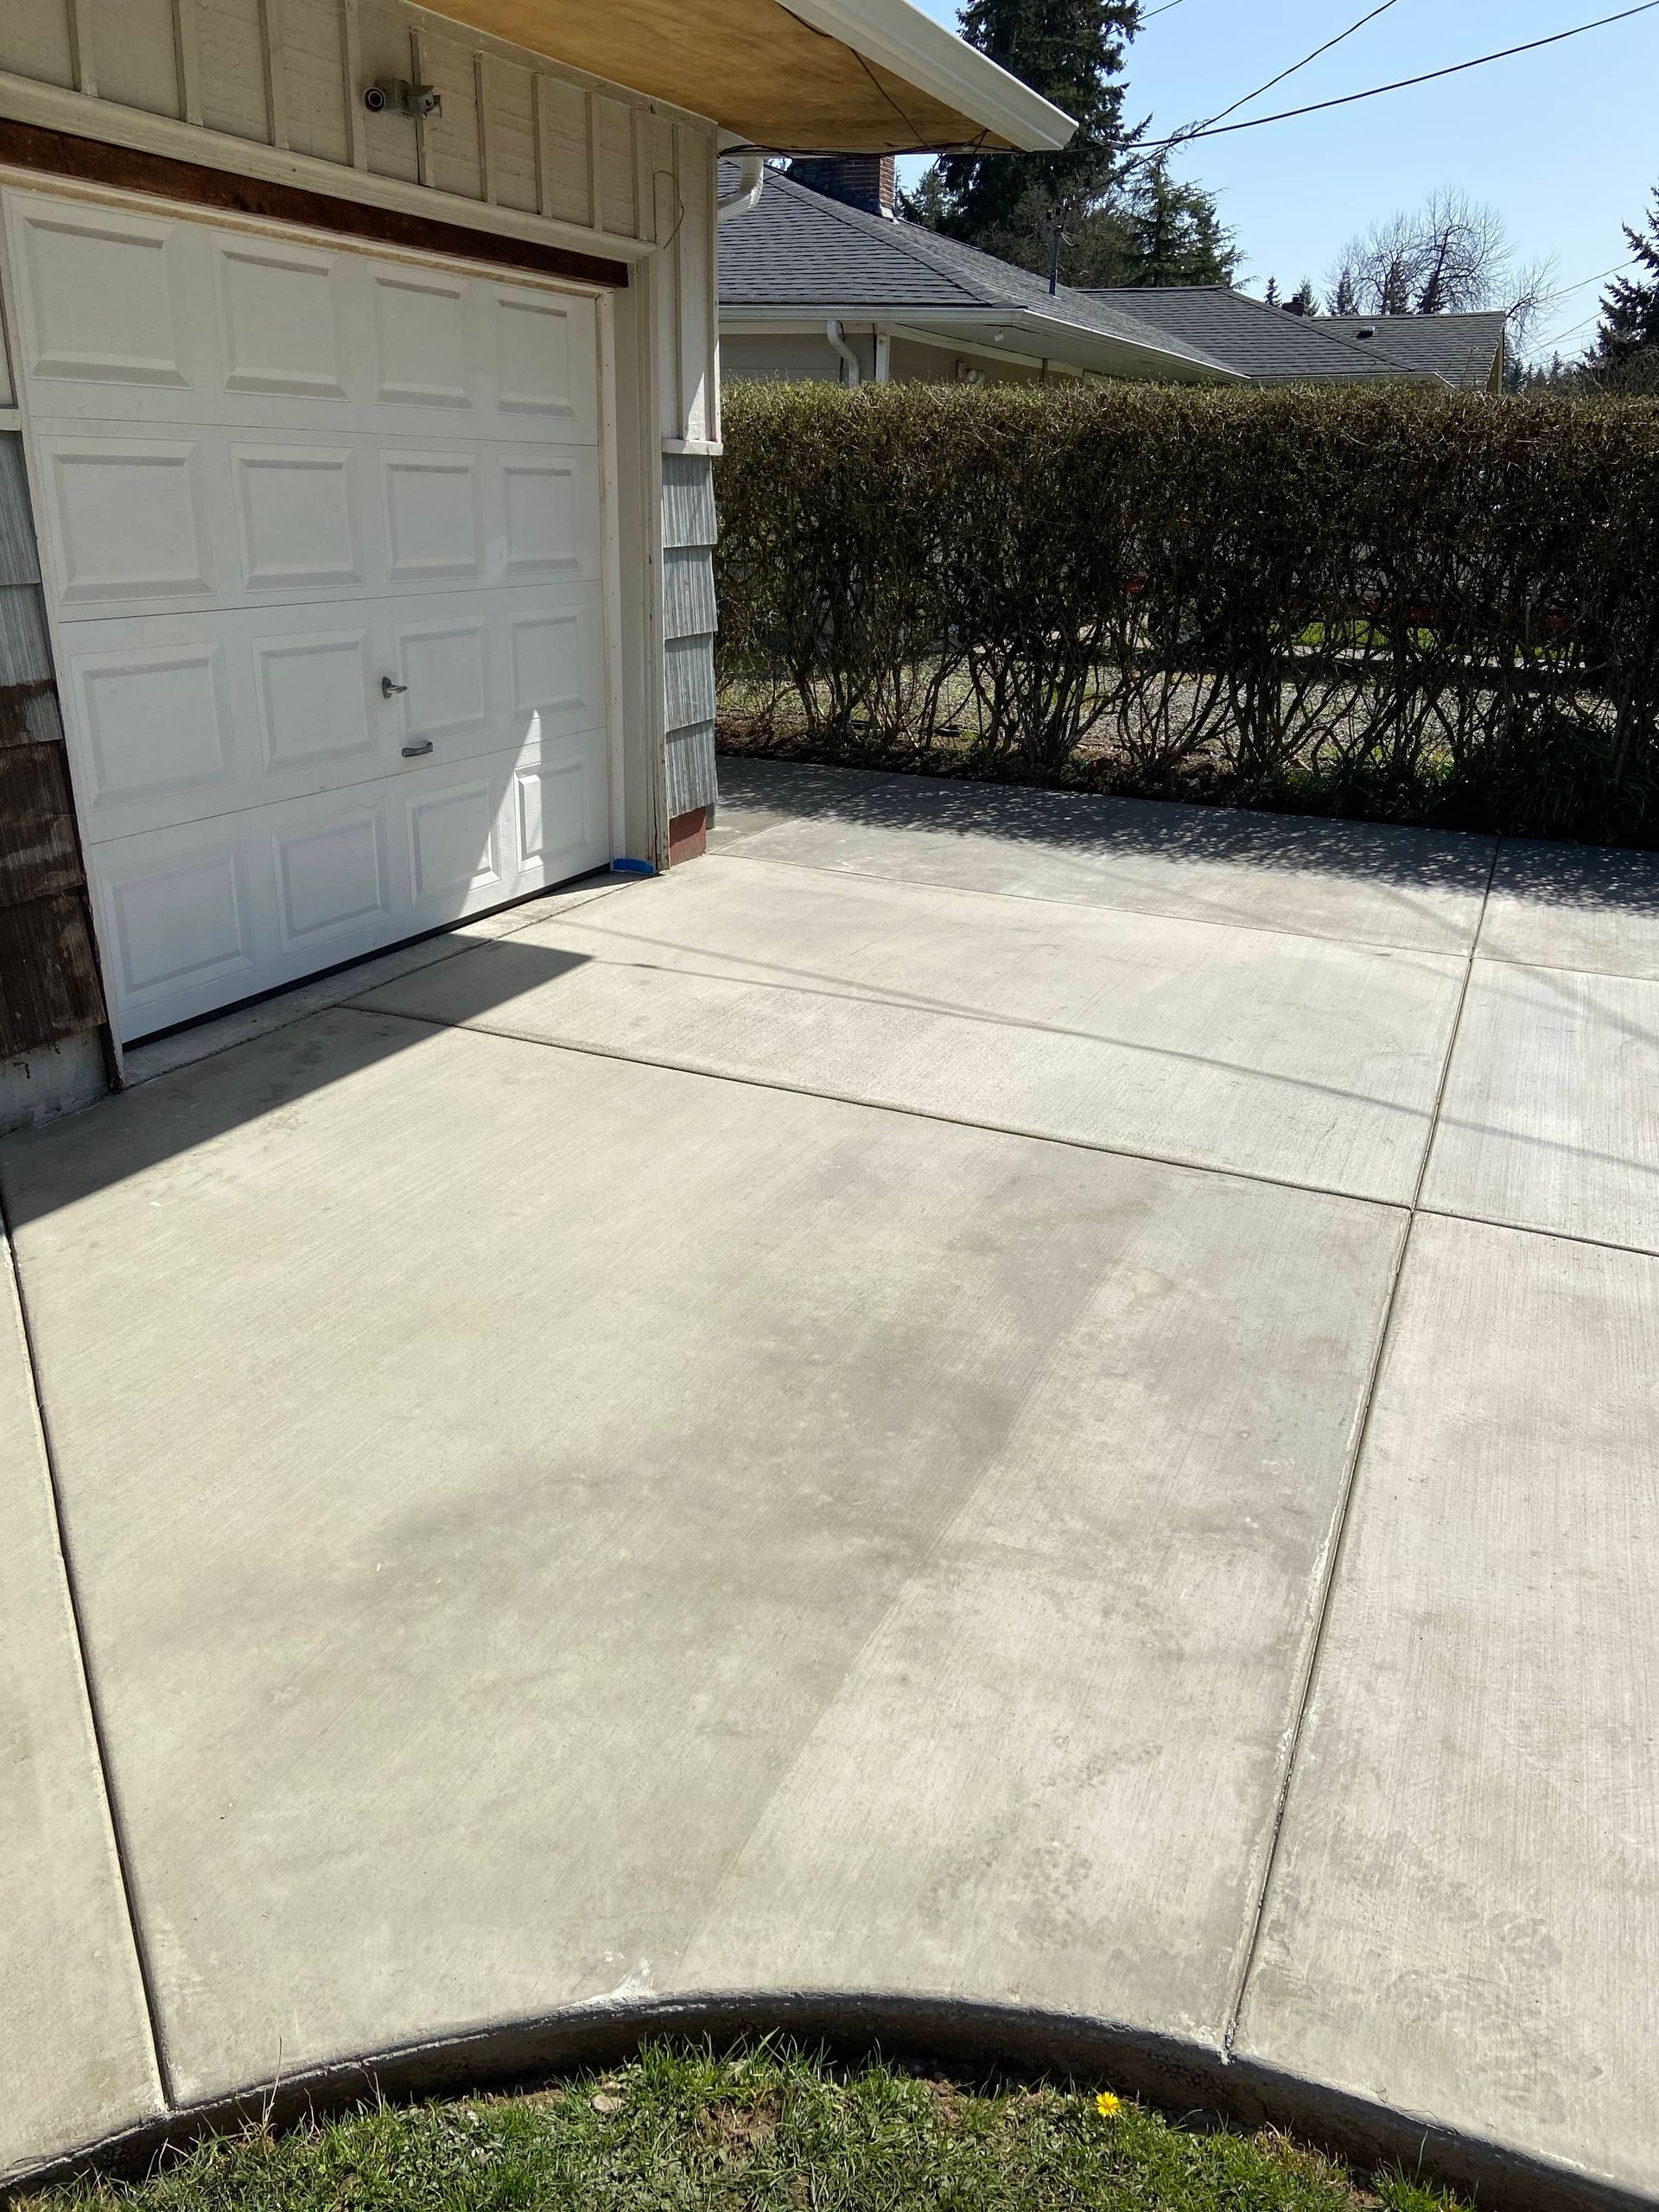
(1179, 2076)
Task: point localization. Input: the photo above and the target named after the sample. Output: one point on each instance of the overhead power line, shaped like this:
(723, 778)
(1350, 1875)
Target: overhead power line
(1400, 84)
(1198, 130)
(1554, 337)
(1562, 290)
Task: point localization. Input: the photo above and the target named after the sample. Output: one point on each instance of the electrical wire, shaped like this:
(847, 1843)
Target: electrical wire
(1554, 337)
(1562, 290)
(1400, 84)
(1223, 113)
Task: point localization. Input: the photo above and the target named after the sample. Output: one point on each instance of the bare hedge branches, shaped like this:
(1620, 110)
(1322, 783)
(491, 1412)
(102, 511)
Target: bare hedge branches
(1389, 602)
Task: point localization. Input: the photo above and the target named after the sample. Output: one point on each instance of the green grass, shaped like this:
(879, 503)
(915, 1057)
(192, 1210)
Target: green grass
(682, 2128)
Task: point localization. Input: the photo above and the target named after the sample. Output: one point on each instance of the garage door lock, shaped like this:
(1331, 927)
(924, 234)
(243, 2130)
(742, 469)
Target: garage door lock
(389, 690)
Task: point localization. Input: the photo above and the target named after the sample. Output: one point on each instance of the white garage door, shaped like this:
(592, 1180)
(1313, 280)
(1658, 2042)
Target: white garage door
(322, 535)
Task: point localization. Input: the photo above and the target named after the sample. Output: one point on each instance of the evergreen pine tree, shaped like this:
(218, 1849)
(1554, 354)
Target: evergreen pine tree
(1142, 227)
(1626, 349)
(1071, 51)
(1271, 296)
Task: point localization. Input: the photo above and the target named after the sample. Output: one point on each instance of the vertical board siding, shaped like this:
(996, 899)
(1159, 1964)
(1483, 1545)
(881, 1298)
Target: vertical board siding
(313, 63)
(614, 166)
(135, 52)
(692, 165)
(189, 59)
(666, 204)
(386, 50)
(509, 134)
(454, 147)
(231, 56)
(561, 119)
(38, 42)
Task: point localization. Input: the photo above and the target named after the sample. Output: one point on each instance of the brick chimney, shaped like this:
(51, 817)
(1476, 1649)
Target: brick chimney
(859, 179)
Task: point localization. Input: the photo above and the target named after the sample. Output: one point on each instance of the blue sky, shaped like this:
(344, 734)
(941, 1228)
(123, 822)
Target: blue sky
(1562, 143)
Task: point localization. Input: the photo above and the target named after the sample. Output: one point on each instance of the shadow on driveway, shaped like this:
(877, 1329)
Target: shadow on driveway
(60, 1163)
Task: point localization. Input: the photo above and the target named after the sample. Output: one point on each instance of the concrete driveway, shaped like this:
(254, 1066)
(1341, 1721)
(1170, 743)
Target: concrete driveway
(1020, 1423)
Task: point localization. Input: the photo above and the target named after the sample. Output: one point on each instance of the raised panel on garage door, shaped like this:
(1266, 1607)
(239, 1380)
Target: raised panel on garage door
(323, 538)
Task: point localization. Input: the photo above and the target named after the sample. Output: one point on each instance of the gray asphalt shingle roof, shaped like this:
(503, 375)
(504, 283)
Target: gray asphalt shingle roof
(799, 248)
(1462, 348)
(1261, 342)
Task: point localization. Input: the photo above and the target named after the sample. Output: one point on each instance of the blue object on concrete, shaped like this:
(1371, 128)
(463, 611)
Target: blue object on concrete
(631, 868)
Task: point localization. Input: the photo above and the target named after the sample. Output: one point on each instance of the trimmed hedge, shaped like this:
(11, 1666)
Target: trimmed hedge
(1399, 603)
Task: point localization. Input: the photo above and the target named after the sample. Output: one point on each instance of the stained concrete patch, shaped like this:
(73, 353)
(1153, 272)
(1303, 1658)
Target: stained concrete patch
(512, 1490)
(1464, 1918)
(1048, 1770)
(1551, 1115)
(1292, 1057)
(77, 2064)
(1575, 906)
(1417, 889)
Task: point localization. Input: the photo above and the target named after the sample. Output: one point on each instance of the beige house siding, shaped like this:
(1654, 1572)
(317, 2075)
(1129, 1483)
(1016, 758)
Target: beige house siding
(914, 363)
(806, 357)
(795, 357)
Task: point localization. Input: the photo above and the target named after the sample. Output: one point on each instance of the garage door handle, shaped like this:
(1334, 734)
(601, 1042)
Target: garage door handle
(414, 752)
(389, 690)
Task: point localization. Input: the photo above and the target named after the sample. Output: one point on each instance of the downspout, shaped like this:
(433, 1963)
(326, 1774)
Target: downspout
(883, 356)
(751, 180)
(849, 359)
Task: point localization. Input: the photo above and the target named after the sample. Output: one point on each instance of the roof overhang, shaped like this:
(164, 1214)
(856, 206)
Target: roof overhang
(818, 76)
(1022, 332)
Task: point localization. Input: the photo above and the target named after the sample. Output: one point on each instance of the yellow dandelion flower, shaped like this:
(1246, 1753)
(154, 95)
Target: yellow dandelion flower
(1108, 2106)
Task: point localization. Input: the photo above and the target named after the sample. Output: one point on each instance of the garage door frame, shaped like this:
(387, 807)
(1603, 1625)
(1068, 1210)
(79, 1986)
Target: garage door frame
(630, 521)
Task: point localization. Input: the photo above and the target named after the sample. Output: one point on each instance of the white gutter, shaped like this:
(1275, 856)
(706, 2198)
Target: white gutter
(919, 51)
(751, 182)
(832, 332)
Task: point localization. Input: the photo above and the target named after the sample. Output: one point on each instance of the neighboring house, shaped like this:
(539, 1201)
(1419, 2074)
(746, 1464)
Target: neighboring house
(1271, 346)
(1465, 350)
(820, 279)
(823, 281)
(355, 499)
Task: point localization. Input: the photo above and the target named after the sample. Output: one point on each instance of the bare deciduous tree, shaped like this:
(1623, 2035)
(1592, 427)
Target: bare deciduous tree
(1451, 255)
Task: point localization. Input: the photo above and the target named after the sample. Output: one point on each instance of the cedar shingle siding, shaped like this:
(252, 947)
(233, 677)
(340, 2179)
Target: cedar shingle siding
(49, 972)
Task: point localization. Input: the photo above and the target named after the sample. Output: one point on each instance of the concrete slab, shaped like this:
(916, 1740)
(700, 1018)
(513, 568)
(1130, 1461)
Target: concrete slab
(1366, 883)
(1463, 1921)
(79, 2063)
(161, 1055)
(510, 1486)
(1575, 906)
(1292, 1057)
(1551, 1116)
